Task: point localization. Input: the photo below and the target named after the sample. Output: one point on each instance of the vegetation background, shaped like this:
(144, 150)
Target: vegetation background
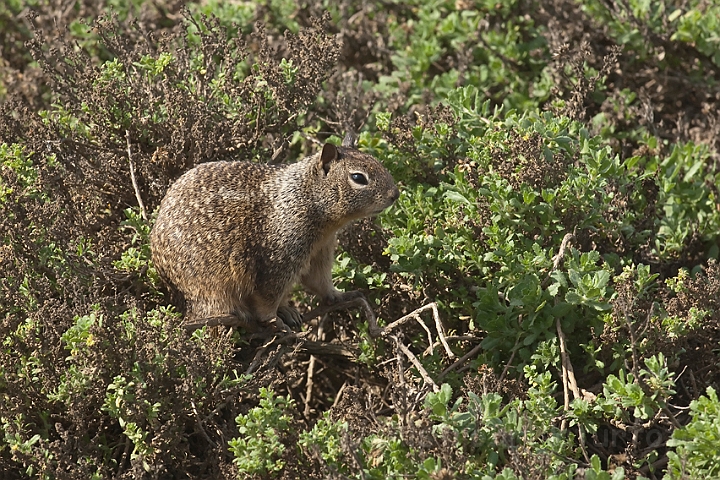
(558, 163)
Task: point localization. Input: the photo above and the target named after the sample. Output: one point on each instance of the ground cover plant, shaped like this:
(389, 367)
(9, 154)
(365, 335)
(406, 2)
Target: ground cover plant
(546, 287)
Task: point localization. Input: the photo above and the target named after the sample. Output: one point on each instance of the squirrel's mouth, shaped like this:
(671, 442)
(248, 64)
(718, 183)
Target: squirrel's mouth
(379, 210)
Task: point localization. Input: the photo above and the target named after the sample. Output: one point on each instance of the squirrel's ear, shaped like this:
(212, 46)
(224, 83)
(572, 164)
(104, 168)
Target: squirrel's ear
(329, 154)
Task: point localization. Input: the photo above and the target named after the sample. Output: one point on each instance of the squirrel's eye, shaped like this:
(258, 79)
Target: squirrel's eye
(359, 178)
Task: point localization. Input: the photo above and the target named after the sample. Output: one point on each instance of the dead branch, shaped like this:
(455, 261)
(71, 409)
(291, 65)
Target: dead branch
(559, 257)
(221, 320)
(569, 382)
(454, 338)
(339, 394)
(568, 373)
(143, 212)
(259, 359)
(415, 315)
(510, 360)
(203, 433)
(460, 361)
(413, 359)
(441, 330)
(327, 349)
(355, 302)
(311, 372)
(309, 386)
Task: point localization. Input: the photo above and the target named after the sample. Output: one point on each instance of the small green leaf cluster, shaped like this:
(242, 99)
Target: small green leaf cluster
(348, 273)
(696, 453)
(14, 158)
(484, 434)
(699, 26)
(137, 257)
(258, 448)
(325, 438)
(629, 398)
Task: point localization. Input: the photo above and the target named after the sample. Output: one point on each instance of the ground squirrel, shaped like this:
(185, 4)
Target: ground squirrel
(235, 237)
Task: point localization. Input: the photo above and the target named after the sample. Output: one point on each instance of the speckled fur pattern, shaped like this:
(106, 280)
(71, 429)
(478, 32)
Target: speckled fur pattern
(235, 237)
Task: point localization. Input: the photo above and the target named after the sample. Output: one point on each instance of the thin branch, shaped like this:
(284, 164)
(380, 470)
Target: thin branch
(258, 359)
(441, 330)
(309, 386)
(143, 212)
(339, 394)
(570, 382)
(454, 338)
(559, 257)
(460, 361)
(566, 364)
(311, 372)
(221, 320)
(199, 424)
(415, 315)
(510, 360)
(413, 359)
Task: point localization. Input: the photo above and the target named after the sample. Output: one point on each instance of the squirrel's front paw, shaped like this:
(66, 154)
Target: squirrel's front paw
(290, 316)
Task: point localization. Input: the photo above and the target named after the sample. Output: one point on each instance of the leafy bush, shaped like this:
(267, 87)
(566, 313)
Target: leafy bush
(258, 446)
(696, 454)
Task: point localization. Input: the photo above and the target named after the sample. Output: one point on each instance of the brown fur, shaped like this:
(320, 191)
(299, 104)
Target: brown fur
(235, 237)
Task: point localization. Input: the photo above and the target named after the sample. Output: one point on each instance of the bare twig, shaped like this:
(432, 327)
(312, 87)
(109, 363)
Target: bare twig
(565, 360)
(559, 257)
(510, 360)
(569, 382)
(221, 320)
(441, 330)
(258, 359)
(411, 356)
(199, 424)
(309, 387)
(415, 315)
(143, 212)
(339, 394)
(311, 372)
(324, 348)
(460, 361)
(565, 381)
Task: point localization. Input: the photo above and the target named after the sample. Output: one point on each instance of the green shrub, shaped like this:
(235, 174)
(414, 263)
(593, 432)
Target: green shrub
(696, 444)
(258, 447)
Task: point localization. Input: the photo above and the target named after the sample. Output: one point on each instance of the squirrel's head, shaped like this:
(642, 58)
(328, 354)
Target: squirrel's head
(361, 186)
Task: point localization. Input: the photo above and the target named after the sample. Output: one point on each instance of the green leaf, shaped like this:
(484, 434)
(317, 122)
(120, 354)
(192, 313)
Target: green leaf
(456, 197)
